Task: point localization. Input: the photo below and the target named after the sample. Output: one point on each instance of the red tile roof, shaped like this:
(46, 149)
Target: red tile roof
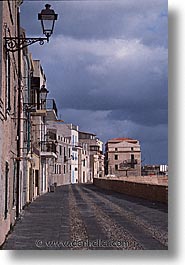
(117, 140)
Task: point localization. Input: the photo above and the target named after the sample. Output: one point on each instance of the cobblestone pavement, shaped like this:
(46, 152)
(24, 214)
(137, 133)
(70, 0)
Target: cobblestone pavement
(85, 217)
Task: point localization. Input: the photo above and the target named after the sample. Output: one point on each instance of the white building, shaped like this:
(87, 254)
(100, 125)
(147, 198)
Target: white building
(60, 169)
(69, 148)
(95, 153)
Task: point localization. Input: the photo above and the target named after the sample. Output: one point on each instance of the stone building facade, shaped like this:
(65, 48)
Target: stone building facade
(8, 117)
(70, 131)
(60, 168)
(37, 170)
(123, 157)
(95, 152)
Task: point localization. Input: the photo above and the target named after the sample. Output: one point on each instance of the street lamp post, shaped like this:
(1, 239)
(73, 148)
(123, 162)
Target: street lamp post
(47, 18)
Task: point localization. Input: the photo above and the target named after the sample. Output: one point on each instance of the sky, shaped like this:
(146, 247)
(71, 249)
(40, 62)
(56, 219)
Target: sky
(107, 68)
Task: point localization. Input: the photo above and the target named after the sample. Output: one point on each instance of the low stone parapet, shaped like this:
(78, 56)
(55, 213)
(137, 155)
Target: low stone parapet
(152, 192)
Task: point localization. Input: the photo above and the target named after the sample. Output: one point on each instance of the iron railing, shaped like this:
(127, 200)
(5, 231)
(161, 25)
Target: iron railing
(128, 163)
(50, 104)
(47, 146)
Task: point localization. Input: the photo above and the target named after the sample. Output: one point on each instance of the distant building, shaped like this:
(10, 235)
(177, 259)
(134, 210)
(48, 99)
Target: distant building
(123, 157)
(157, 170)
(67, 149)
(70, 131)
(60, 168)
(95, 152)
(79, 154)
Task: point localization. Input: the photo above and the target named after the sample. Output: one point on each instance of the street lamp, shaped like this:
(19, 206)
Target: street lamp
(43, 95)
(48, 18)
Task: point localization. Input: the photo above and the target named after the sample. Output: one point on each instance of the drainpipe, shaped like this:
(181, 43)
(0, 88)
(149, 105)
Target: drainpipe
(18, 116)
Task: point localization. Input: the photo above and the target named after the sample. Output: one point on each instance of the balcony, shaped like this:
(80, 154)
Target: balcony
(51, 135)
(48, 149)
(51, 108)
(40, 108)
(130, 163)
(95, 148)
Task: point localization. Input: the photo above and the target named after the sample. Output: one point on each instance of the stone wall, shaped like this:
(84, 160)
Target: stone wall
(147, 191)
(8, 118)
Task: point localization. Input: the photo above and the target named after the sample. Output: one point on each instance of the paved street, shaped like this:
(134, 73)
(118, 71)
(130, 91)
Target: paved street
(86, 217)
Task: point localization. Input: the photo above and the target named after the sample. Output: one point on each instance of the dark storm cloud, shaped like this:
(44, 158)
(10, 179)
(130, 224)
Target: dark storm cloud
(106, 67)
(146, 116)
(125, 77)
(128, 19)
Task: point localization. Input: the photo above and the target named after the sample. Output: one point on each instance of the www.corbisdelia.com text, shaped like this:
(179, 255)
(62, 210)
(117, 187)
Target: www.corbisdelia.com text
(99, 243)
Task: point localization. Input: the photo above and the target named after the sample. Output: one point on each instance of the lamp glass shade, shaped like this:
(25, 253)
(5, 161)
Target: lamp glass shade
(43, 93)
(47, 17)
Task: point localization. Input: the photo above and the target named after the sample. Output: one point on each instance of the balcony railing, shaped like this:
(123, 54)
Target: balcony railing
(51, 135)
(50, 104)
(130, 163)
(48, 146)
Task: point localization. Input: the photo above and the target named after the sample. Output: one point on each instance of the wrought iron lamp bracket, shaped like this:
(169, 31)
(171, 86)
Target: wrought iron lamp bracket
(14, 44)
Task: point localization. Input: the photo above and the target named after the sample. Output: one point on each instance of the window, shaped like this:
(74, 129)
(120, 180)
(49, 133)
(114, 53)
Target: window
(94, 148)
(116, 167)
(64, 169)
(37, 178)
(59, 169)
(116, 157)
(69, 152)
(132, 161)
(6, 190)
(132, 148)
(65, 158)
(60, 150)
(73, 139)
(116, 149)
(83, 162)
(83, 176)
(8, 82)
(14, 183)
(32, 96)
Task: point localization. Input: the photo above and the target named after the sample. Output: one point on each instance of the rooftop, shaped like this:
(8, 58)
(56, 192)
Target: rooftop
(117, 140)
(87, 133)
